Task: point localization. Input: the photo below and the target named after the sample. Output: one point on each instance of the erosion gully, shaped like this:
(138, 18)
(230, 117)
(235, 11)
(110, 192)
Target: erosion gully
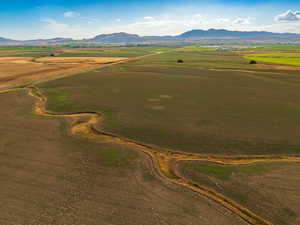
(164, 160)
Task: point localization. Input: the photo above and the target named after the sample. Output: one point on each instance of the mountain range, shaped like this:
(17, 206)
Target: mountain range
(224, 34)
(192, 35)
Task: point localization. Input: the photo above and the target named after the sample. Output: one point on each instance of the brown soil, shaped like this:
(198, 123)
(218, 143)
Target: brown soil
(276, 67)
(5, 53)
(13, 74)
(244, 71)
(50, 178)
(270, 190)
(17, 60)
(163, 158)
(83, 125)
(72, 60)
(16, 71)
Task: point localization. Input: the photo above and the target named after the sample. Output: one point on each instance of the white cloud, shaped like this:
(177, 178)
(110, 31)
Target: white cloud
(223, 20)
(55, 26)
(163, 25)
(71, 14)
(288, 16)
(149, 18)
(77, 15)
(62, 29)
(172, 25)
(242, 21)
(156, 26)
(288, 27)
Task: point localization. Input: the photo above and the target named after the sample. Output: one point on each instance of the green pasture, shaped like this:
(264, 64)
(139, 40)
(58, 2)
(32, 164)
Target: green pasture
(277, 58)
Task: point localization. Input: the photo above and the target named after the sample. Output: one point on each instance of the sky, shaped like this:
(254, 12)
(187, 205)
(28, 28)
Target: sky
(78, 19)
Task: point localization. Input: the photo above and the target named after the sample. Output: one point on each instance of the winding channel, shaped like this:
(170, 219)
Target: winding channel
(164, 160)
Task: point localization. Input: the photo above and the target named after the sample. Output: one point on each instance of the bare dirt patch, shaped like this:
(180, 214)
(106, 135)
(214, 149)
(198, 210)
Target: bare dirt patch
(12, 74)
(5, 53)
(17, 60)
(21, 70)
(276, 67)
(101, 60)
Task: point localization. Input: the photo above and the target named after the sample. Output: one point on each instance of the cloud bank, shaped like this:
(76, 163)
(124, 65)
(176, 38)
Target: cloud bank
(166, 24)
(288, 16)
(71, 14)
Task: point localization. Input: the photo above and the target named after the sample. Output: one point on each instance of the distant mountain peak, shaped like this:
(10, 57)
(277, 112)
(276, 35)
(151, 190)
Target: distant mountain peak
(121, 37)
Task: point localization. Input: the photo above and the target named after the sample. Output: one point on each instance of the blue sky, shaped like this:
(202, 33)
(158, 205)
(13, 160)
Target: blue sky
(28, 19)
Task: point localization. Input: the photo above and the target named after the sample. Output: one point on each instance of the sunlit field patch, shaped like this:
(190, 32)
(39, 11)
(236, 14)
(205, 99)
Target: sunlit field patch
(278, 58)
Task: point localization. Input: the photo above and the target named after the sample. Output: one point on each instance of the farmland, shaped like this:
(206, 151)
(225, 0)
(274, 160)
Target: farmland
(213, 133)
(48, 177)
(278, 58)
(19, 70)
(127, 52)
(270, 189)
(191, 107)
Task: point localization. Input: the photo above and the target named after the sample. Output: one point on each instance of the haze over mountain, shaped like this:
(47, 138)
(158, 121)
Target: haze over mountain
(222, 33)
(35, 41)
(51, 40)
(5, 40)
(117, 38)
(192, 35)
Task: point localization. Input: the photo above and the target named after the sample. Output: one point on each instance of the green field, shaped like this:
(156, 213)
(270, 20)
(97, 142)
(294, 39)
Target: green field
(278, 58)
(25, 51)
(284, 47)
(189, 107)
(127, 52)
